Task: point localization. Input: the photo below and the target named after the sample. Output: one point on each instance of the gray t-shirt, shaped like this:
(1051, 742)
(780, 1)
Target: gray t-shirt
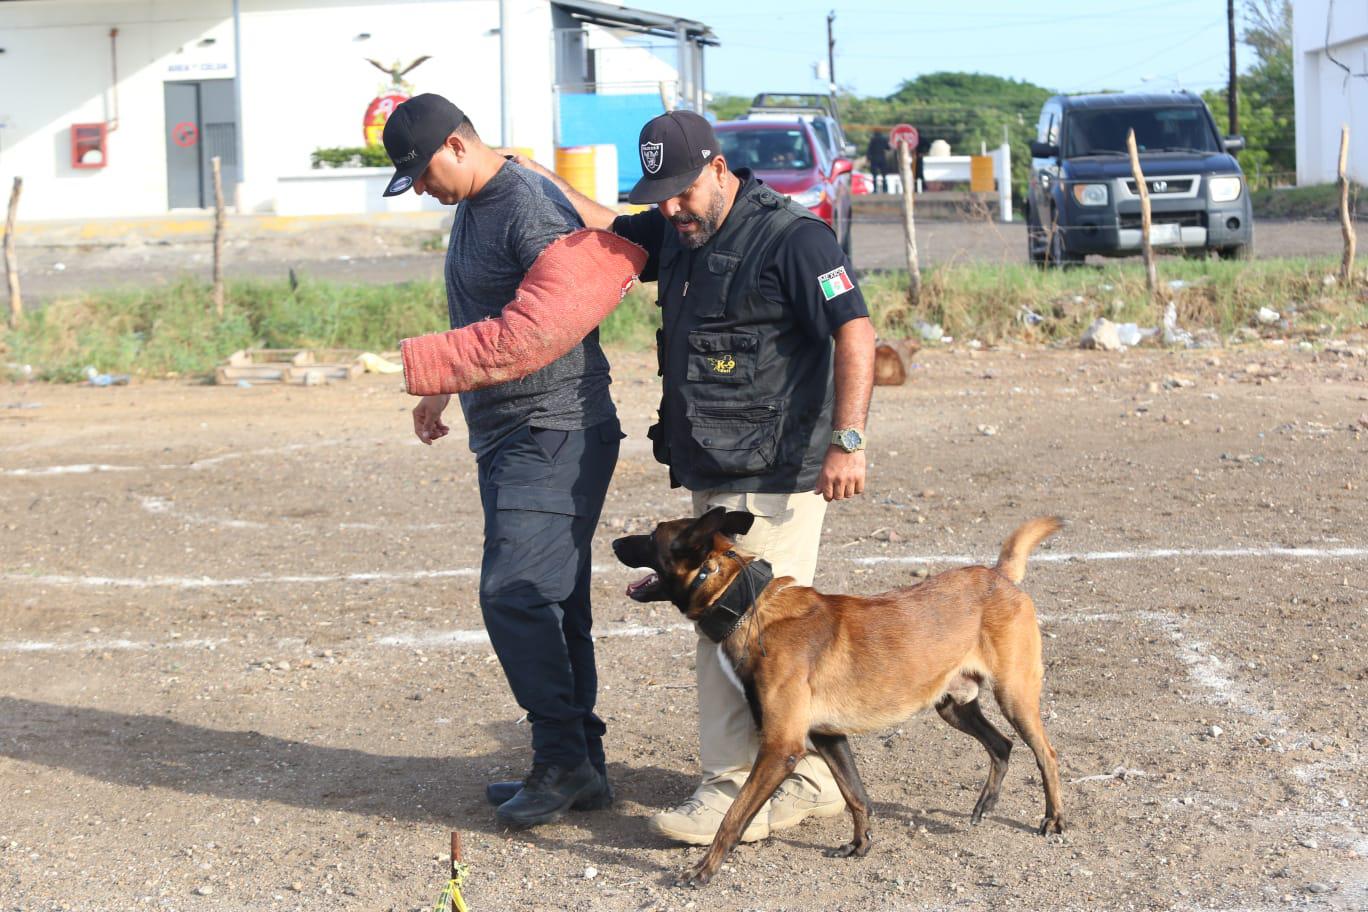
(495, 237)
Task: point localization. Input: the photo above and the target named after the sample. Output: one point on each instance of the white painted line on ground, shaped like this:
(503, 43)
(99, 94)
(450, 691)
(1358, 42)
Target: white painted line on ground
(205, 582)
(80, 469)
(480, 637)
(1049, 557)
(196, 465)
(106, 645)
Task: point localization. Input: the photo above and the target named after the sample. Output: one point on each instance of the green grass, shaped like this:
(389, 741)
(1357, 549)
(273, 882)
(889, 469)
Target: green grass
(171, 331)
(988, 302)
(1318, 201)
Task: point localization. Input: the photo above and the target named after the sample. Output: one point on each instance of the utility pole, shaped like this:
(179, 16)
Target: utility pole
(1232, 95)
(831, 54)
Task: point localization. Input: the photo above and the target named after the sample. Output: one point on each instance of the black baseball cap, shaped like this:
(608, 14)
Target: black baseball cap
(413, 133)
(674, 148)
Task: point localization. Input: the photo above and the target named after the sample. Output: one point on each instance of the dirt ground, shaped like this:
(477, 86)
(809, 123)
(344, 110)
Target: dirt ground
(372, 252)
(242, 664)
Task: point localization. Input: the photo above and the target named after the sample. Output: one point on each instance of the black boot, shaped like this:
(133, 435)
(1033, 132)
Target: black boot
(499, 792)
(548, 792)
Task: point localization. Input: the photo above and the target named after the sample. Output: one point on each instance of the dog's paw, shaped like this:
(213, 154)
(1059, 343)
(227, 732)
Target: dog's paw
(857, 849)
(1053, 824)
(694, 876)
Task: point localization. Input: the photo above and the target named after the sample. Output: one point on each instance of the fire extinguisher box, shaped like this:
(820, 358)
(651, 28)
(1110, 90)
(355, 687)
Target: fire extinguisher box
(88, 145)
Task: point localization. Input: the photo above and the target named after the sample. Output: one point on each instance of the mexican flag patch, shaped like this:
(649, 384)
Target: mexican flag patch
(835, 283)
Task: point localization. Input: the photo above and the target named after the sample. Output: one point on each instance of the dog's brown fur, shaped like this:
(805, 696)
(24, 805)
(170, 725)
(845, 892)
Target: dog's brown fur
(821, 667)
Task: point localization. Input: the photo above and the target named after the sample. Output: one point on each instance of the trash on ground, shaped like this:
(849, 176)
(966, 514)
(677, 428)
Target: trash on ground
(1173, 333)
(1029, 317)
(930, 332)
(1268, 316)
(1132, 334)
(95, 378)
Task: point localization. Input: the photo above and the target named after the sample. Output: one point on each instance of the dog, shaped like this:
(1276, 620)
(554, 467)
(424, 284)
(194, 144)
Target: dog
(818, 667)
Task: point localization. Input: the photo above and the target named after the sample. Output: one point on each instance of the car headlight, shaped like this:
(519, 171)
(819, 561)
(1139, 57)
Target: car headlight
(811, 197)
(1090, 194)
(1225, 189)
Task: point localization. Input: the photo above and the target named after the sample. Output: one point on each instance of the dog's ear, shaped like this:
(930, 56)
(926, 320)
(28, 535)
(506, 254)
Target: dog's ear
(737, 522)
(695, 541)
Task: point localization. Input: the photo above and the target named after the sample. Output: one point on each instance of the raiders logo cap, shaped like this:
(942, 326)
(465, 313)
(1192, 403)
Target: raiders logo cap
(674, 147)
(413, 133)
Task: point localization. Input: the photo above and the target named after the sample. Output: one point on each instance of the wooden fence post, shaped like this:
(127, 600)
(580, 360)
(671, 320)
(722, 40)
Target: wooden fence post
(16, 314)
(219, 219)
(1346, 226)
(1151, 276)
(906, 172)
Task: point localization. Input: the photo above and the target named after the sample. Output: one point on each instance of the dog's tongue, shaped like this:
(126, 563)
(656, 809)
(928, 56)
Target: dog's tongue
(642, 583)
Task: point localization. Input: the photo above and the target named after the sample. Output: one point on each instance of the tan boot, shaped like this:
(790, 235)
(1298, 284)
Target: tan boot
(796, 800)
(696, 820)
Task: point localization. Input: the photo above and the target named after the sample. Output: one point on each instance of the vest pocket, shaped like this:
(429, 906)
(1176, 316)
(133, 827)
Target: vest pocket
(721, 357)
(730, 439)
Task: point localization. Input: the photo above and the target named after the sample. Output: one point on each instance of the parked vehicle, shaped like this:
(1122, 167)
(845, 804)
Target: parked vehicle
(1083, 197)
(789, 157)
(817, 110)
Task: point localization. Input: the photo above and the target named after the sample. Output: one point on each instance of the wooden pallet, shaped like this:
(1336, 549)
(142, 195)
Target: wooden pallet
(307, 367)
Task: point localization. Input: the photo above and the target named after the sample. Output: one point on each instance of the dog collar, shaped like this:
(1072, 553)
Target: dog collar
(725, 615)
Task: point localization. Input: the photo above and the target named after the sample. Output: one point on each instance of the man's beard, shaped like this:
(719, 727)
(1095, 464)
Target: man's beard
(708, 223)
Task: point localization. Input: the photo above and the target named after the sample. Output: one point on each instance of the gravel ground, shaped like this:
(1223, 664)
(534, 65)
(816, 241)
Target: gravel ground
(242, 664)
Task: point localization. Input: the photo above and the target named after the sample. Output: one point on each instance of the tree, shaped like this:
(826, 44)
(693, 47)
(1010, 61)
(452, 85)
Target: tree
(1266, 100)
(966, 110)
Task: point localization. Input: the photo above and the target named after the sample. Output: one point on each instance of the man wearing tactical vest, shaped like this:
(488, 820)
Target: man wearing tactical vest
(767, 358)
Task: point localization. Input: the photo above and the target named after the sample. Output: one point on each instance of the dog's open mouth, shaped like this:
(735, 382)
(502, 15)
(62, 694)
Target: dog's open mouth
(645, 589)
(649, 580)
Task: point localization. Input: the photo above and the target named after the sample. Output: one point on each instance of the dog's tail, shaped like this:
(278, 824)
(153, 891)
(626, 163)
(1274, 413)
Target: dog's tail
(1012, 561)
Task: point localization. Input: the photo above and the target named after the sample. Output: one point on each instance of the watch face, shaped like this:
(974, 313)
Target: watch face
(850, 439)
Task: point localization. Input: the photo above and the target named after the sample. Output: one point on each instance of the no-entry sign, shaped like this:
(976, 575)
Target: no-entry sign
(185, 134)
(903, 133)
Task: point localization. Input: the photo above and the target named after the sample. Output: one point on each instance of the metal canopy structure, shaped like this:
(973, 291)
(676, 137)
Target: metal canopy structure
(690, 35)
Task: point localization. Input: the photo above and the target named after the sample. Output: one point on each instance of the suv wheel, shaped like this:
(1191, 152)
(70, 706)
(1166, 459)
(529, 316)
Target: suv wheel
(1058, 253)
(1238, 252)
(1035, 241)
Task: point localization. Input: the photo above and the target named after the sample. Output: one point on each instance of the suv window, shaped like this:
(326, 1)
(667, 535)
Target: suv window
(767, 150)
(1168, 129)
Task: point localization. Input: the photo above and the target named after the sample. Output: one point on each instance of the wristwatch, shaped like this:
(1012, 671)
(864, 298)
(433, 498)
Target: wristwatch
(848, 439)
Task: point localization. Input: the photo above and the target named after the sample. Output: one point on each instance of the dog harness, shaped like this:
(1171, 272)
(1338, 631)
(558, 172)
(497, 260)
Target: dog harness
(725, 615)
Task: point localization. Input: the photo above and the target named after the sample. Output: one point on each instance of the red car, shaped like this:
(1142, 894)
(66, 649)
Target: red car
(787, 156)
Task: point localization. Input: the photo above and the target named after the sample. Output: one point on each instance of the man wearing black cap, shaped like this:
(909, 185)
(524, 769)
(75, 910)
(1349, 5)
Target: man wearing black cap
(546, 446)
(761, 412)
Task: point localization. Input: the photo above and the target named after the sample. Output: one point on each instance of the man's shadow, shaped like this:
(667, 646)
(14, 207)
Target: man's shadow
(144, 751)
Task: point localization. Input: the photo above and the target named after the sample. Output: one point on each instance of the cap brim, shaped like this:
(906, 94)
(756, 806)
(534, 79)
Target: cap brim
(404, 177)
(657, 190)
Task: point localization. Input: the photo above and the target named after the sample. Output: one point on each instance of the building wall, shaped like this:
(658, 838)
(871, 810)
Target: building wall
(56, 71)
(305, 84)
(1326, 96)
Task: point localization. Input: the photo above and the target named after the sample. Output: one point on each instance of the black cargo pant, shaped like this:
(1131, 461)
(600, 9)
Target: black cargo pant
(542, 492)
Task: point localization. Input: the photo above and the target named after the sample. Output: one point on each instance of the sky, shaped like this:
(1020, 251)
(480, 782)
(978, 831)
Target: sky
(1064, 45)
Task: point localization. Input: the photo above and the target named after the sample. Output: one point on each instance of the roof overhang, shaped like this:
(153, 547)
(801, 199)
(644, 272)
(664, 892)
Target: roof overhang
(610, 15)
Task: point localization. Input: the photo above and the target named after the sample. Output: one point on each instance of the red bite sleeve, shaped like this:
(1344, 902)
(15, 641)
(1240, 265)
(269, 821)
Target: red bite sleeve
(575, 282)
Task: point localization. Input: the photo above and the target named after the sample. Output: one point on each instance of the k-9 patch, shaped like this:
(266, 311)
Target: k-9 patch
(835, 283)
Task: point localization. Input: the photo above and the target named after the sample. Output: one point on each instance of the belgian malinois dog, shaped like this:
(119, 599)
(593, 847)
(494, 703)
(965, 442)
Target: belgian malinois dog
(818, 667)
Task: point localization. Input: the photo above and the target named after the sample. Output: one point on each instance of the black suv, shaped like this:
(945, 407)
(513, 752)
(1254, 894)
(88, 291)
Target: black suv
(1082, 197)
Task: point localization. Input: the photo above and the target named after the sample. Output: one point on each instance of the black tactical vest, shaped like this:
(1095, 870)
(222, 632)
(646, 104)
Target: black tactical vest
(747, 394)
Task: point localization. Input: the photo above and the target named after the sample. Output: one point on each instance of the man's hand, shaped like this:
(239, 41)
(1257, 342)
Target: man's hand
(843, 474)
(521, 160)
(427, 418)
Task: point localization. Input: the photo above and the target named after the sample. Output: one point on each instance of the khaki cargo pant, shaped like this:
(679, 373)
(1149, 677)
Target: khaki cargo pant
(787, 533)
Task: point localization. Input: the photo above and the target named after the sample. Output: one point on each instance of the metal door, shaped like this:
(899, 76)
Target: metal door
(200, 124)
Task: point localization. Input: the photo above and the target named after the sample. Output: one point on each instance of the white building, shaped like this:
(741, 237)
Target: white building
(162, 86)
(1330, 77)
